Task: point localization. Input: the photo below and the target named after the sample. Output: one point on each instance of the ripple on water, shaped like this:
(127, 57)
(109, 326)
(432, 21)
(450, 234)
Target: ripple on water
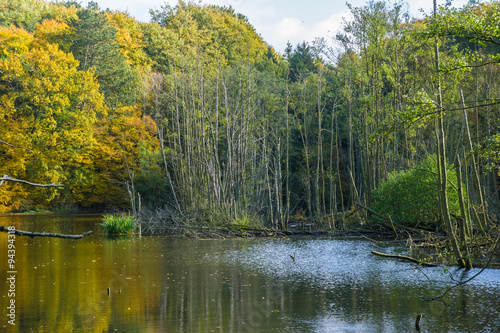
(329, 262)
(361, 292)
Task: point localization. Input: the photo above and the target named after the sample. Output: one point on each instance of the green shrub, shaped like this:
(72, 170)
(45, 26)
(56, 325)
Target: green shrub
(118, 224)
(411, 197)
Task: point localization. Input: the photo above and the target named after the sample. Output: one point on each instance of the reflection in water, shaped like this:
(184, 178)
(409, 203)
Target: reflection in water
(160, 284)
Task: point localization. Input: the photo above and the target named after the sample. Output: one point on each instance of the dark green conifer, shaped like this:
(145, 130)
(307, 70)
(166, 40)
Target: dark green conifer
(95, 47)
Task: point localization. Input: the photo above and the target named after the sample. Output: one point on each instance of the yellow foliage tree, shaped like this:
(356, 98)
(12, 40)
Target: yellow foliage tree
(130, 38)
(48, 107)
(54, 32)
(122, 137)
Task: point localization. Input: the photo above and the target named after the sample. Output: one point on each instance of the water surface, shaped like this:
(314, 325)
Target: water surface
(165, 284)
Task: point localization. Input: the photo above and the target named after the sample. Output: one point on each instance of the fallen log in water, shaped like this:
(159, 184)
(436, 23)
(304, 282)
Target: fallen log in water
(41, 234)
(398, 256)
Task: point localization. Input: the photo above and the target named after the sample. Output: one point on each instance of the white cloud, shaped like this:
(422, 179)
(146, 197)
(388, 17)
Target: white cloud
(296, 31)
(289, 28)
(328, 27)
(277, 21)
(416, 6)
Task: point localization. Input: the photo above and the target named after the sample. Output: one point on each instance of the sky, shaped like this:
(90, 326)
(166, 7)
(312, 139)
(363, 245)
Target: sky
(277, 21)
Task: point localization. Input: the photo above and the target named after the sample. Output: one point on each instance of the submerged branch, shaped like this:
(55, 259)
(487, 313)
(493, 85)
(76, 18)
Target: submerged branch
(398, 256)
(42, 234)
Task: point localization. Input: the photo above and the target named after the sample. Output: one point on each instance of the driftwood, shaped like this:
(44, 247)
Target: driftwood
(398, 256)
(42, 234)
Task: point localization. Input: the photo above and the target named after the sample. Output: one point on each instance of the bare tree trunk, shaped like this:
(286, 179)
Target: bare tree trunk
(443, 176)
(131, 177)
(333, 188)
(317, 196)
(167, 172)
(268, 181)
(463, 221)
(305, 144)
(353, 192)
(483, 220)
(278, 185)
(156, 88)
(217, 167)
(353, 196)
(287, 219)
(229, 176)
(339, 179)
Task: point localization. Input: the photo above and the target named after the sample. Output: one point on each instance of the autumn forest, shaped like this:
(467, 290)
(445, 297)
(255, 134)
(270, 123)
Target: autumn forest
(395, 120)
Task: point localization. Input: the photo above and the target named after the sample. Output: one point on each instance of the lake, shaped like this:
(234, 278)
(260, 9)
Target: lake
(169, 284)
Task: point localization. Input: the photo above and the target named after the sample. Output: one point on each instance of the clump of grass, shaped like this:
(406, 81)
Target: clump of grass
(242, 221)
(247, 220)
(118, 224)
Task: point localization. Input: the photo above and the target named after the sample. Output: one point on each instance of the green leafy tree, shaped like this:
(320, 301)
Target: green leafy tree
(27, 14)
(95, 46)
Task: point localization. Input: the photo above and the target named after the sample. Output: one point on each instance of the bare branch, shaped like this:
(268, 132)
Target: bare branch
(14, 146)
(495, 62)
(372, 211)
(8, 178)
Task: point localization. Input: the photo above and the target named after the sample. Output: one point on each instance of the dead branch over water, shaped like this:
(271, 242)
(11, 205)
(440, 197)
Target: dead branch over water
(42, 234)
